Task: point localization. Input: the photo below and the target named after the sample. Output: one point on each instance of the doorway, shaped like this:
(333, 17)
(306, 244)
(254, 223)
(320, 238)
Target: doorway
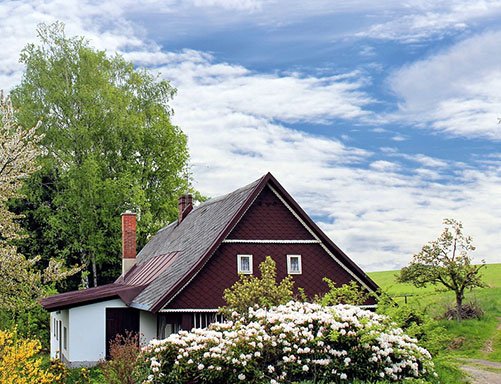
(119, 321)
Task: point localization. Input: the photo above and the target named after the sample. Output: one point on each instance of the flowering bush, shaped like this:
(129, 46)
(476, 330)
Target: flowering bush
(124, 350)
(292, 342)
(19, 363)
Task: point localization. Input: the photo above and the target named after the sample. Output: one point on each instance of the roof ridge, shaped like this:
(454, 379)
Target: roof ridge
(217, 199)
(222, 197)
(255, 188)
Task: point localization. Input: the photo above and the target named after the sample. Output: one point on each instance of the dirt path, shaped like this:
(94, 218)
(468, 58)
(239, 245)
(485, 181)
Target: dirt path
(482, 371)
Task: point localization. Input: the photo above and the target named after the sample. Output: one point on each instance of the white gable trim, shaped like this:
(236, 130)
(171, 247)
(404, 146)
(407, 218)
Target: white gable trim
(238, 241)
(206, 310)
(319, 241)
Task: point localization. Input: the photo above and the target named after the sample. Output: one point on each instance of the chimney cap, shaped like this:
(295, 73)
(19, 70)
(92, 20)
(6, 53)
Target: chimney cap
(129, 212)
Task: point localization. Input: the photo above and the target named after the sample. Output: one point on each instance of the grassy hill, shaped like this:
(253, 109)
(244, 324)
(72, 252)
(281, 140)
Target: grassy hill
(469, 338)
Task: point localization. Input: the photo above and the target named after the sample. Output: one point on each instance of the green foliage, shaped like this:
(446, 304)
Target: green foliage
(263, 291)
(445, 262)
(350, 293)
(22, 280)
(473, 338)
(108, 145)
(85, 376)
(415, 322)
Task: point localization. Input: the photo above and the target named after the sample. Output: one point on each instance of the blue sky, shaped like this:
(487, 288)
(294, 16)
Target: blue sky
(380, 119)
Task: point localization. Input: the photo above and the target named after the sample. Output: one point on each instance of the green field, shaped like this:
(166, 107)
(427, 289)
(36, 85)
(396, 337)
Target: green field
(468, 338)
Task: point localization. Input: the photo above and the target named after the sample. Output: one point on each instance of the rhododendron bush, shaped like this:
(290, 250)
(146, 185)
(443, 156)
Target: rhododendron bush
(292, 342)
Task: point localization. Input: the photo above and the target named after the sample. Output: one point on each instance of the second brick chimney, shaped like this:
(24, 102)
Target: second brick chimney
(185, 205)
(128, 241)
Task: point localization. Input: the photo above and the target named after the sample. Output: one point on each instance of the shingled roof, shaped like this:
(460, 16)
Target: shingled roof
(179, 251)
(196, 237)
(91, 295)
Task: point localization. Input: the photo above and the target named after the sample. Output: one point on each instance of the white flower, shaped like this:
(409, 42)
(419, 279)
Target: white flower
(241, 377)
(343, 376)
(306, 368)
(200, 366)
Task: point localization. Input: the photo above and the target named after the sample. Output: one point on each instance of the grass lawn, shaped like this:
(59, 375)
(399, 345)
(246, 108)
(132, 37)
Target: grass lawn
(469, 338)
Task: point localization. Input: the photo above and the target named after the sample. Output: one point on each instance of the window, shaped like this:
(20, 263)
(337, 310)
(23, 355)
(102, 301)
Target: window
(294, 264)
(65, 338)
(202, 320)
(244, 264)
(54, 326)
(167, 324)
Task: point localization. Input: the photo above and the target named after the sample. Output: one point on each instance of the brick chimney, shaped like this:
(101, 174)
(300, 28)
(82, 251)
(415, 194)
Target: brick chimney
(185, 205)
(128, 241)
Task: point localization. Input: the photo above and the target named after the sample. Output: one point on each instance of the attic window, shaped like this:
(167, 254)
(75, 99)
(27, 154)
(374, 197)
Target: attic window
(244, 264)
(294, 265)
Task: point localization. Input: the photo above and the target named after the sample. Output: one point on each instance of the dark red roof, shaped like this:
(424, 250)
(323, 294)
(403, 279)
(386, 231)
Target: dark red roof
(145, 273)
(91, 295)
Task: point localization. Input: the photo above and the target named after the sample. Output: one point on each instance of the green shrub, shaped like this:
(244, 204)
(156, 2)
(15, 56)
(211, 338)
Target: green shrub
(415, 322)
(350, 293)
(263, 291)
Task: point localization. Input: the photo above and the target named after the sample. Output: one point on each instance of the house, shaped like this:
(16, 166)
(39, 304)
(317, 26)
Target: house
(177, 280)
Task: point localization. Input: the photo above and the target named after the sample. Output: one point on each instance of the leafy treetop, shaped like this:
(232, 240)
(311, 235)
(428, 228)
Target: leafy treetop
(263, 291)
(109, 145)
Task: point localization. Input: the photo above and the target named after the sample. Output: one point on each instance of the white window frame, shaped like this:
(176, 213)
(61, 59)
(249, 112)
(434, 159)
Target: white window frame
(239, 265)
(289, 265)
(65, 338)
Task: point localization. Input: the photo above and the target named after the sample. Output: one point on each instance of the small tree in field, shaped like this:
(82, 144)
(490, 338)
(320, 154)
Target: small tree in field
(446, 261)
(264, 291)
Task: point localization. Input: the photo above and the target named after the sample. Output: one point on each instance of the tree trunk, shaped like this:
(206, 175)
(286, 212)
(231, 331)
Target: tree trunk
(84, 279)
(459, 305)
(94, 270)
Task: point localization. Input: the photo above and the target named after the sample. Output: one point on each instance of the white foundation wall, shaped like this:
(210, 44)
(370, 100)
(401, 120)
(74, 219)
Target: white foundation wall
(87, 335)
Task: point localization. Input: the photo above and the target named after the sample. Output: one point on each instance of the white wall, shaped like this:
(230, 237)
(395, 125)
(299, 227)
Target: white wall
(87, 335)
(86, 332)
(147, 327)
(55, 336)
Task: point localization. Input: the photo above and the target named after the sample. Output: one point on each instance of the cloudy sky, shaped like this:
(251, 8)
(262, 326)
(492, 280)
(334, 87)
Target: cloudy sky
(380, 118)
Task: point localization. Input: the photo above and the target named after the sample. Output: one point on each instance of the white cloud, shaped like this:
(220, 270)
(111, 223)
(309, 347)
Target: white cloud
(375, 206)
(285, 97)
(380, 211)
(455, 91)
(246, 5)
(419, 20)
(100, 22)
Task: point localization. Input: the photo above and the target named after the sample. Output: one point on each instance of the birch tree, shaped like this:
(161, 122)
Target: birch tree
(109, 145)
